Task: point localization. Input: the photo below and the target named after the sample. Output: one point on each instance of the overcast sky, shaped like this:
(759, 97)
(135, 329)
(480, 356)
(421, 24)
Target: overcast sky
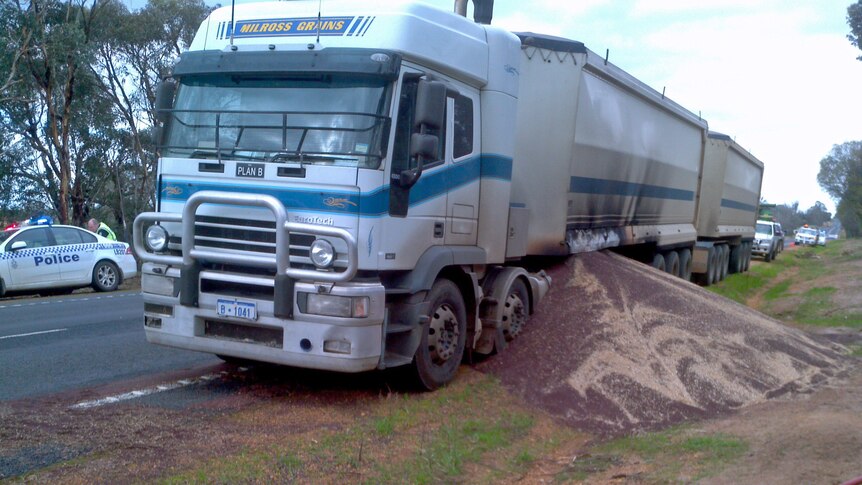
(779, 76)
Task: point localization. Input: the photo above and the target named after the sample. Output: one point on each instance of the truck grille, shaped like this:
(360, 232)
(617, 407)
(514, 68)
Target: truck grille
(233, 234)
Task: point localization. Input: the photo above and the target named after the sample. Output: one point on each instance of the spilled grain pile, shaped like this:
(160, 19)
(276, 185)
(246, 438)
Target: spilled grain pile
(617, 346)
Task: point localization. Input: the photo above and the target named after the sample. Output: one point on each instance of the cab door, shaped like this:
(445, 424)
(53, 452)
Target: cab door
(463, 167)
(32, 266)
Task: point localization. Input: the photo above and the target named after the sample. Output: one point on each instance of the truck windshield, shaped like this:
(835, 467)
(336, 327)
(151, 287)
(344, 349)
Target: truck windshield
(322, 119)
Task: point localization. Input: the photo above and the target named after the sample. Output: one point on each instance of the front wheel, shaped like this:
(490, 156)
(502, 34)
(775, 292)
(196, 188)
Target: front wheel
(106, 276)
(516, 309)
(443, 336)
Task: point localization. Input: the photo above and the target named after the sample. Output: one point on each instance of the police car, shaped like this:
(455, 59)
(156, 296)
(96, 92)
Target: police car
(57, 259)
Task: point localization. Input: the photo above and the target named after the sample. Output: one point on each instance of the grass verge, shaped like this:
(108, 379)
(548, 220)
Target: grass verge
(794, 279)
(674, 455)
(471, 428)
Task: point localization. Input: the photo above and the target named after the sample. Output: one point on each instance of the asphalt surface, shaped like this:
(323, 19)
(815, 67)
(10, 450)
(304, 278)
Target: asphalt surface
(51, 345)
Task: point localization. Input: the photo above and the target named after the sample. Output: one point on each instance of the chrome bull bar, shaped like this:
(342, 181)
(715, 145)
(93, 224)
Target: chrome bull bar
(190, 261)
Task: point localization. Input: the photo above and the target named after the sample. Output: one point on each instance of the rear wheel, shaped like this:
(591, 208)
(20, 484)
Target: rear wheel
(747, 253)
(725, 260)
(658, 262)
(106, 276)
(443, 337)
(685, 264)
(736, 261)
(671, 262)
(516, 309)
(713, 271)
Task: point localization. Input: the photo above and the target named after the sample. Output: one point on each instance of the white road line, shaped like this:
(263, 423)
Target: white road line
(33, 333)
(64, 300)
(145, 392)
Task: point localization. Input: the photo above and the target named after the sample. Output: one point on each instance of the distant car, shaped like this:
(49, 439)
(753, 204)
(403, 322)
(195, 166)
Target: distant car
(55, 259)
(821, 238)
(806, 236)
(765, 242)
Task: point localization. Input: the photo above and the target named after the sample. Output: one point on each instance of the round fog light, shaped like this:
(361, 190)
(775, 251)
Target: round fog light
(322, 253)
(156, 238)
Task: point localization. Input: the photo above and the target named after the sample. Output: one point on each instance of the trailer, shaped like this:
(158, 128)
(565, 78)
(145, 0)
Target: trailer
(363, 189)
(729, 195)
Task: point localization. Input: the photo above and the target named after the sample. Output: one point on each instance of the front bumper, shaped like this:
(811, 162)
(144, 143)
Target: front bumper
(761, 247)
(307, 340)
(181, 294)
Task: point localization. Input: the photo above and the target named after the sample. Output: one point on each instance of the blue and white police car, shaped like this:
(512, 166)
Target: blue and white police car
(56, 259)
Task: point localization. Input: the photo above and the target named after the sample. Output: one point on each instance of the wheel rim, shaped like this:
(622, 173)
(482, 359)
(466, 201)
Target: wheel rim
(514, 316)
(443, 333)
(106, 276)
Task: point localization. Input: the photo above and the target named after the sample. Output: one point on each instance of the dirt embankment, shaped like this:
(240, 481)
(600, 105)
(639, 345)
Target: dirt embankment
(617, 346)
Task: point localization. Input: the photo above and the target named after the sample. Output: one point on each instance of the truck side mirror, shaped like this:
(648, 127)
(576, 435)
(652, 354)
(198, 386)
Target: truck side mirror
(430, 105)
(165, 99)
(423, 145)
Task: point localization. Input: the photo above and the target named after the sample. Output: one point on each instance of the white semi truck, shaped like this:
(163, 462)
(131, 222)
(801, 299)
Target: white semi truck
(358, 188)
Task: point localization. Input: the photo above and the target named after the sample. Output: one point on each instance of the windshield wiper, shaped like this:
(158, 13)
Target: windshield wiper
(303, 157)
(220, 154)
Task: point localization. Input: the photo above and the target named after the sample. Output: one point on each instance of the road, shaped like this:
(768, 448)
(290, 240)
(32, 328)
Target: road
(50, 345)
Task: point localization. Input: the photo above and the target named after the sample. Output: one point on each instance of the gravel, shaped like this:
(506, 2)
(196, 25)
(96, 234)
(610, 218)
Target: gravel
(617, 347)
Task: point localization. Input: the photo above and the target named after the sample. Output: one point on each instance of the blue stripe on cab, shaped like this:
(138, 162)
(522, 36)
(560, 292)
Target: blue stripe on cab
(431, 184)
(587, 185)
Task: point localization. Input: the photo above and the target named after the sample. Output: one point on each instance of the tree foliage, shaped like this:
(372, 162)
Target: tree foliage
(841, 177)
(77, 87)
(854, 20)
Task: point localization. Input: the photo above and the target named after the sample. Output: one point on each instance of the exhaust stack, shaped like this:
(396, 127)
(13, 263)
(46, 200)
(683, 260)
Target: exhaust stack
(483, 10)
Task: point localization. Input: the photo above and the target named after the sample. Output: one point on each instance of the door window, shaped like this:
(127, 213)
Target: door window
(67, 235)
(35, 238)
(463, 132)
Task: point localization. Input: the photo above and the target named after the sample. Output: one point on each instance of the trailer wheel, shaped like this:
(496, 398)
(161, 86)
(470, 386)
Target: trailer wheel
(671, 263)
(725, 260)
(658, 262)
(516, 309)
(685, 264)
(746, 256)
(712, 266)
(443, 337)
(736, 259)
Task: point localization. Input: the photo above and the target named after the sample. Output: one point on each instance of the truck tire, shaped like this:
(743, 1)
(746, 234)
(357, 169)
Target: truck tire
(725, 260)
(747, 253)
(685, 264)
(736, 259)
(516, 310)
(712, 265)
(444, 336)
(671, 263)
(658, 262)
(106, 276)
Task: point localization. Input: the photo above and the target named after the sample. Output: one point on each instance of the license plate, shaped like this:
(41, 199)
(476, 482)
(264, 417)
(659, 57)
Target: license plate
(236, 308)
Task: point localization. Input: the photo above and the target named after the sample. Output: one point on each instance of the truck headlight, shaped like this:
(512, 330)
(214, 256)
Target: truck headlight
(156, 238)
(322, 253)
(337, 306)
